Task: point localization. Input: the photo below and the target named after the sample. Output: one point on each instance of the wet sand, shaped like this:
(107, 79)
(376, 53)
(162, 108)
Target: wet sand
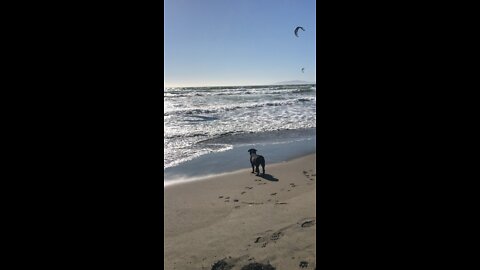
(237, 219)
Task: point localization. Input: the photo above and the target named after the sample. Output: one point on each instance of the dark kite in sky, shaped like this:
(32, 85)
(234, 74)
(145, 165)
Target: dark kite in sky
(296, 30)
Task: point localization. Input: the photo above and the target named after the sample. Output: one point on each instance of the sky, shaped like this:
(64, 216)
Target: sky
(238, 42)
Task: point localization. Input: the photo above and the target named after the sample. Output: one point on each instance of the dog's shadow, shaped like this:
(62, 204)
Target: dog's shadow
(268, 177)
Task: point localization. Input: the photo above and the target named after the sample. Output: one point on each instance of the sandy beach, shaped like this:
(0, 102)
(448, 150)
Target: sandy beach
(237, 219)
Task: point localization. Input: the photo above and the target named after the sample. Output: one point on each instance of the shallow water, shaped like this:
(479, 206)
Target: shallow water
(275, 146)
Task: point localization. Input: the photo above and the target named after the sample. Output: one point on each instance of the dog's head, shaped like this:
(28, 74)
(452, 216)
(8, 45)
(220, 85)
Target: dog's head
(252, 151)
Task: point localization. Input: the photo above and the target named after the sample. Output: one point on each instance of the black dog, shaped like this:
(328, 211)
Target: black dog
(256, 161)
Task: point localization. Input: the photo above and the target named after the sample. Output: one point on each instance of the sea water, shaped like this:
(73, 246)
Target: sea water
(204, 120)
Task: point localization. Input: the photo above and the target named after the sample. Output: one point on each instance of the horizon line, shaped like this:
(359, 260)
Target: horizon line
(279, 83)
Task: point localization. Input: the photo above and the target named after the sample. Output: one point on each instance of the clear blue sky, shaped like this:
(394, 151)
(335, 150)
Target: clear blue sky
(238, 42)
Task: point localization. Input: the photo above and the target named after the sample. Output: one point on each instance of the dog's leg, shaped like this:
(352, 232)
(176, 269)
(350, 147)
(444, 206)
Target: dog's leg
(253, 170)
(256, 169)
(262, 163)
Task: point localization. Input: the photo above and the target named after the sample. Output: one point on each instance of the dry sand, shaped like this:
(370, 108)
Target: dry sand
(241, 218)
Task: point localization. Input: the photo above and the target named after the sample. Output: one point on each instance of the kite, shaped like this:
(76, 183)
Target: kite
(296, 30)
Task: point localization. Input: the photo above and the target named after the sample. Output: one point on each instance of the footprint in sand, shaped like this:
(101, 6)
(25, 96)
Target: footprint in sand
(222, 265)
(257, 266)
(248, 187)
(308, 222)
(267, 238)
(259, 240)
(235, 200)
(243, 192)
(227, 200)
(303, 264)
(227, 197)
(308, 176)
(220, 197)
(273, 194)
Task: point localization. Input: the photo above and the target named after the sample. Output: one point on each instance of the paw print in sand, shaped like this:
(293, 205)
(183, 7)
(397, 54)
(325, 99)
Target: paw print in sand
(303, 264)
(276, 236)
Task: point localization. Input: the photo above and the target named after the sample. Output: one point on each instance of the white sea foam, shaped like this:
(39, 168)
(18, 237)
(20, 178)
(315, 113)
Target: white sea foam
(194, 115)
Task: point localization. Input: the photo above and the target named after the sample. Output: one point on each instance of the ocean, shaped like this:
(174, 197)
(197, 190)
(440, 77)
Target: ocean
(203, 121)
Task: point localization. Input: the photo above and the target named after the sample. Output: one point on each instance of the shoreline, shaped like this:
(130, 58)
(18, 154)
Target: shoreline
(217, 176)
(241, 218)
(274, 146)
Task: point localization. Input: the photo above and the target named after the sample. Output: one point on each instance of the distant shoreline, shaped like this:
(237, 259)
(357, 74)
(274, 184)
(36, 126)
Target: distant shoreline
(255, 85)
(294, 82)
